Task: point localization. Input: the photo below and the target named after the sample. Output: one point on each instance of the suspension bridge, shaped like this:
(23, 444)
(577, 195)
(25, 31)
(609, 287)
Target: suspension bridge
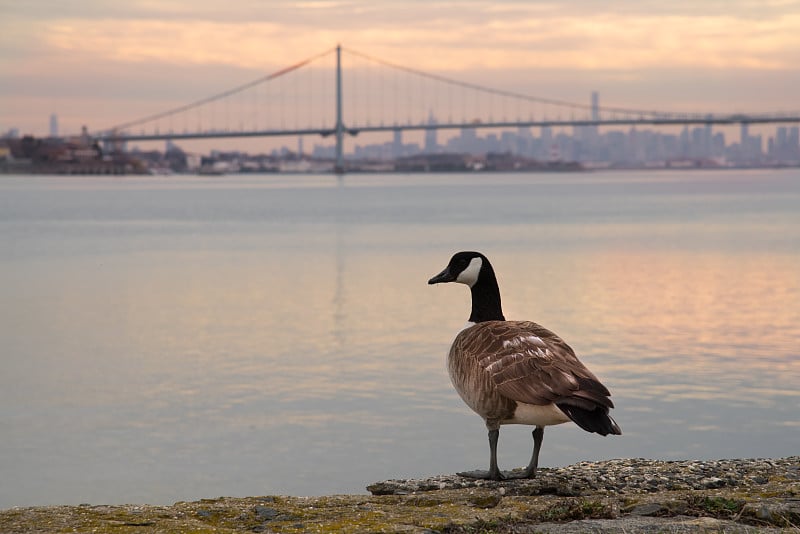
(317, 97)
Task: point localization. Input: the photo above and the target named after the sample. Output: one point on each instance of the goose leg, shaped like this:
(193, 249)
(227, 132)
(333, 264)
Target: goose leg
(530, 470)
(493, 473)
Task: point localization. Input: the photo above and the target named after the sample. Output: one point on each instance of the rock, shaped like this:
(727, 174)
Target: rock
(649, 509)
(712, 482)
(615, 496)
(265, 514)
(612, 477)
(672, 525)
(784, 513)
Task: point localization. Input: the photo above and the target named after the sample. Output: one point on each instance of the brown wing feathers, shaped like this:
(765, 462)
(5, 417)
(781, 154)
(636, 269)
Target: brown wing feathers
(530, 364)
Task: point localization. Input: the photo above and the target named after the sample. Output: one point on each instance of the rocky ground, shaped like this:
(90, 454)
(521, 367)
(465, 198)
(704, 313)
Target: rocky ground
(755, 495)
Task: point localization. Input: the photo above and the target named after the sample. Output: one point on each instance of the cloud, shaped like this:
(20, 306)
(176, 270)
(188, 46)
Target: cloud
(684, 54)
(540, 36)
(245, 44)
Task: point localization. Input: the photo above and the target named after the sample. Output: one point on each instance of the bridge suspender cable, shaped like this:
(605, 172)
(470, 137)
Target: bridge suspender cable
(395, 105)
(497, 92)
(221, 95)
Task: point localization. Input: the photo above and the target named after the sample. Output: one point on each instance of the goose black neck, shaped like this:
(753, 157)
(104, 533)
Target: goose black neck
(486, 298)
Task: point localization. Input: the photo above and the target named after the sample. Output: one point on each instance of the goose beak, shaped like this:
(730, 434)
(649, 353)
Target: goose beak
(442, 277)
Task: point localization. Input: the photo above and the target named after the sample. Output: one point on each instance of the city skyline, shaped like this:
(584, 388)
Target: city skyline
(98, 64)
(592, 146)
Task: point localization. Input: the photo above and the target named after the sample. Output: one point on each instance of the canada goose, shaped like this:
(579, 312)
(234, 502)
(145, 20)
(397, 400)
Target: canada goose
(517, 372)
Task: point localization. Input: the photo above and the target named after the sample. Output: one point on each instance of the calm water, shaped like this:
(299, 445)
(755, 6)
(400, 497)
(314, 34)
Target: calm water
(176, 338)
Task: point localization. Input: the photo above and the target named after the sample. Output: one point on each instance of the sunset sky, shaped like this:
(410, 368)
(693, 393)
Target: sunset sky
(99, 63)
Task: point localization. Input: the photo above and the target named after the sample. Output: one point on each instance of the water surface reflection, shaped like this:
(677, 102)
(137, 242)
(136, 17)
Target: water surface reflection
(183, 338)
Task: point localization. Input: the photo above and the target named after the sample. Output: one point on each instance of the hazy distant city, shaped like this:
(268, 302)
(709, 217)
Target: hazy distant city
(473, 149)
(590, 146)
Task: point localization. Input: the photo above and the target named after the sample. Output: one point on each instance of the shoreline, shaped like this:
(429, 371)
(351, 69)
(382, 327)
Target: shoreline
(567, 168)
(624, 495)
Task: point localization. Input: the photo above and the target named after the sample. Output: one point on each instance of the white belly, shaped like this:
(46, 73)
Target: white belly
(528, 414)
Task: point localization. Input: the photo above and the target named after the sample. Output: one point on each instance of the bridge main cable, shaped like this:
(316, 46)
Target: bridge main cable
(221, 95)
(498, 92)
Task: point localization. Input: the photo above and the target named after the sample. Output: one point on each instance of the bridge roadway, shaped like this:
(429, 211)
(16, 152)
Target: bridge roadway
(675, 120)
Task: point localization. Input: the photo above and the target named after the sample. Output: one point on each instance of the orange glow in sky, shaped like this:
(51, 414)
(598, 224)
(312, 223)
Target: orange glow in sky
(100, 62)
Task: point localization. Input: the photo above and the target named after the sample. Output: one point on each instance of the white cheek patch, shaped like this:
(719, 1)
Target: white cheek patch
(470, 275)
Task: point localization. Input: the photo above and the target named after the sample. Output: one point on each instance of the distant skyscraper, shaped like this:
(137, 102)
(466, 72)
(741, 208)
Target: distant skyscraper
(430, 135)
(794, 142)
(397, 143)
(53, 125)
(588, 135)
(780, 136)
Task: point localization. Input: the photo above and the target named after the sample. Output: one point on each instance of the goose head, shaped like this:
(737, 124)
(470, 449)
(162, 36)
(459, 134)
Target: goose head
(474, 270)
(464, 268)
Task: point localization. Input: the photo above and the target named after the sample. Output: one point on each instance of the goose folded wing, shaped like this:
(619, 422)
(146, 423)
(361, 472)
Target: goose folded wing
(535, 366)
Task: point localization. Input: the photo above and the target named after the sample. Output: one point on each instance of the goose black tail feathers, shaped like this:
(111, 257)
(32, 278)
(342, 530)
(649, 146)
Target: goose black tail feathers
(591, 420)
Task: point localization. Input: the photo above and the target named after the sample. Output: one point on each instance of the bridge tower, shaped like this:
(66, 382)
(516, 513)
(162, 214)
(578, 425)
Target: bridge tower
(339, 165)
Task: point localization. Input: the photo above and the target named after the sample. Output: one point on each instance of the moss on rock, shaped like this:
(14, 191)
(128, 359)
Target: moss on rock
(614, 496)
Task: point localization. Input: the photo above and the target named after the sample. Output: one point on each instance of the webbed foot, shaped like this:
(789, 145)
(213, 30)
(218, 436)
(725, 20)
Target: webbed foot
(482, 474)
(519, 474)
